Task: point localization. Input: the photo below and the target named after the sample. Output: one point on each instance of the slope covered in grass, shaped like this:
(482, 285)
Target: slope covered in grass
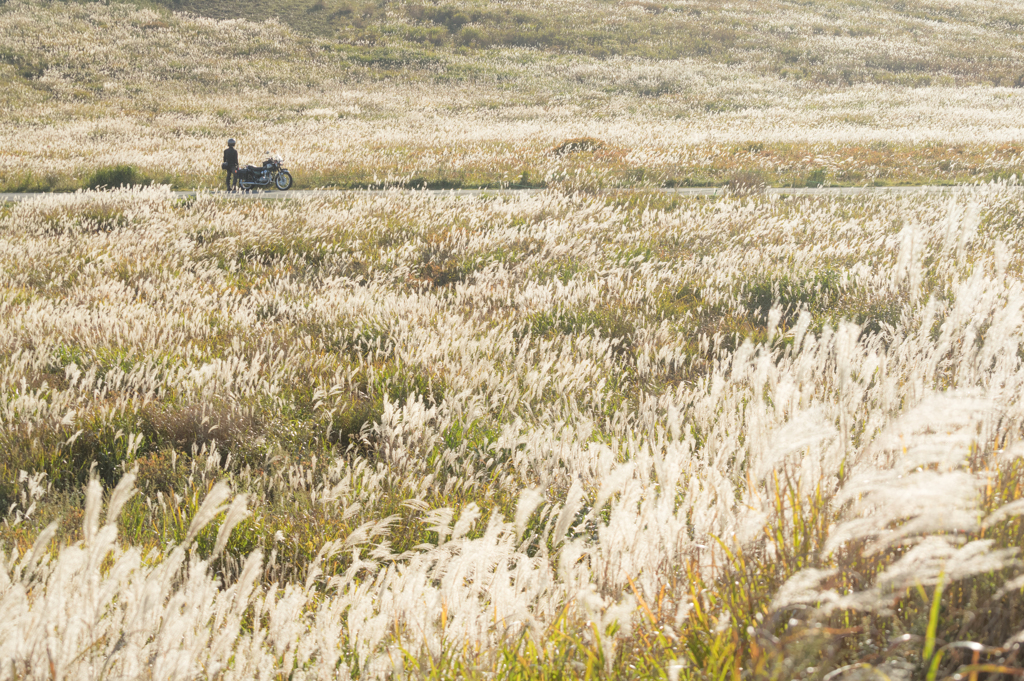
(836, 42)
(91, 86)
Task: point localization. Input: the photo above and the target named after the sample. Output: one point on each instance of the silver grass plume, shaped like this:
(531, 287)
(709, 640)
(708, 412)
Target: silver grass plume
(237, 512)
(212, 506)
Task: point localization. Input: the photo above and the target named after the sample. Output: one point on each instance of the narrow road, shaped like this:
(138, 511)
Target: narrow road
(680, 191)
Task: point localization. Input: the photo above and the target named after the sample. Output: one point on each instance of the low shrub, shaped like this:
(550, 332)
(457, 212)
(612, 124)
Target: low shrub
(817, 178)
(578, 144)
(116, 176)
(747, 182)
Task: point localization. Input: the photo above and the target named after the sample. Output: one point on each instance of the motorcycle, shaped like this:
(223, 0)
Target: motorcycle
(261, 177)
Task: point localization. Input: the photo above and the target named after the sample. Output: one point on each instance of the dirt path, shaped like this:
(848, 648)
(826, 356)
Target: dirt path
(682, 191)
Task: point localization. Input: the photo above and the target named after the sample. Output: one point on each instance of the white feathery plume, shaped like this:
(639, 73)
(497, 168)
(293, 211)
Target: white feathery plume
(529, 500)
(93, 506)
(237, 512)
(573, 503)
(213, 505)
(124, 491)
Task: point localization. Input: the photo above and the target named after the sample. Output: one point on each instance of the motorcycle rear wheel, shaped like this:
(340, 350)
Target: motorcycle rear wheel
(284, 180)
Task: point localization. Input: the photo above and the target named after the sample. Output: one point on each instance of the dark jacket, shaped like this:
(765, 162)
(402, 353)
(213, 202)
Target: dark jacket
(231, 157)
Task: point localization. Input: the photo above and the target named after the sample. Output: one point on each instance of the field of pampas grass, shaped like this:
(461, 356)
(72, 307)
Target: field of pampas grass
(786, 95)
(562, 435)
(595, 431)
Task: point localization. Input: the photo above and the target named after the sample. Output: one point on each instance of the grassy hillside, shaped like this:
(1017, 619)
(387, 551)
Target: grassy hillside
(837, 43)
(824, 41)
(486, 95)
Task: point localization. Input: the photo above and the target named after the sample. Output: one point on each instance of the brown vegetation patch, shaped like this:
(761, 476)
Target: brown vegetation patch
(578, 144)
(747, 182)
(200, 424)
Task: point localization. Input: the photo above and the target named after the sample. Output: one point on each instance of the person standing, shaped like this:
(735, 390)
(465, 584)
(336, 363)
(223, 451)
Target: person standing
(230, 162)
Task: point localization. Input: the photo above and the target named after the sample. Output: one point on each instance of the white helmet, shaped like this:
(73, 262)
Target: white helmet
(231, 142)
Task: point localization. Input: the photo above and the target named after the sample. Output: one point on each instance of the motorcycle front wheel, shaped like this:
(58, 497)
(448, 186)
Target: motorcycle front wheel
(284, 180)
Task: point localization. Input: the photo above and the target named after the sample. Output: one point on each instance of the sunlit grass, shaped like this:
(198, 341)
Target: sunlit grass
(100, 87)
(576, 433)
(540, 436)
